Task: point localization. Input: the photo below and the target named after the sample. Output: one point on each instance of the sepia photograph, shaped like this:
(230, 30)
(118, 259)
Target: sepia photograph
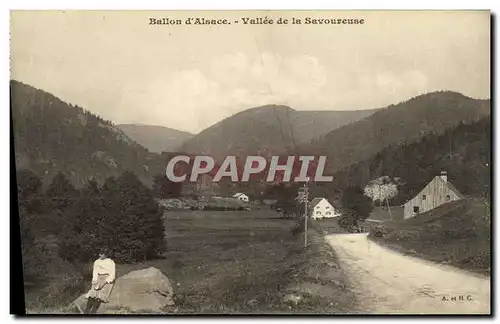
(251, 162)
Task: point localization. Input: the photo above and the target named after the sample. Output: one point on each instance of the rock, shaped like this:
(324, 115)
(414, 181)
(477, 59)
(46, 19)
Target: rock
(253, 303)
(142, 291)
(293, 298)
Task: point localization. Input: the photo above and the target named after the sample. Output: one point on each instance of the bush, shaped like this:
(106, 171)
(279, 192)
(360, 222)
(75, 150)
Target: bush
(32, 253)
(28, 184)
(379, 231)
(221, 208)
(34, 266)
(60, 293)
(299, 227)
(356, 207)
(164, 188)
(122, 217)
(403, 235)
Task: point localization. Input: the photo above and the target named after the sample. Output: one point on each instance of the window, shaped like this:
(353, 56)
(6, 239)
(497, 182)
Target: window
(423, 197)
(317, 207)
(416, 209)
(318, 212)
(327, 207)
(448, 197)
(328, 213)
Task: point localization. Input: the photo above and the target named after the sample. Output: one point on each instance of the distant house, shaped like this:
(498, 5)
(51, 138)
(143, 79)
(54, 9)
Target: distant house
(321, 208)
(437, 192)
(241, 196)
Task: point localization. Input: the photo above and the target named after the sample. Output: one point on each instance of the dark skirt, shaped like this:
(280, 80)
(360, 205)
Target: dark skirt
(102, 290)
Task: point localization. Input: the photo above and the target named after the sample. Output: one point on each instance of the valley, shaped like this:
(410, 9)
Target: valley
(251, 258)
(251, 162)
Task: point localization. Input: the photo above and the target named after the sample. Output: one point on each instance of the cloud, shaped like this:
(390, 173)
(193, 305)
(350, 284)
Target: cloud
(232, 82)
(387, 87)
(191, 78)
(283, 78)
(389, 82)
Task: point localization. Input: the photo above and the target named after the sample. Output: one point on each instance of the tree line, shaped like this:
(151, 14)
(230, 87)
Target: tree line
(120, 215)
(464, 152)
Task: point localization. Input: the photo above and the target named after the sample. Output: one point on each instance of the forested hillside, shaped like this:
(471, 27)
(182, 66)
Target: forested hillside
(269, 130)
(51, 136)
(156, 138)
(405, 122)
(463, 151)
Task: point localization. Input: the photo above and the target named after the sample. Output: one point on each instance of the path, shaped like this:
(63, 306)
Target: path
(388, 282)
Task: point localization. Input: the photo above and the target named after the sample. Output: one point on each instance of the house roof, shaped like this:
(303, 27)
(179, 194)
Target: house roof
(315, 201)
(451, 187)
(446, 183)
(236, 195)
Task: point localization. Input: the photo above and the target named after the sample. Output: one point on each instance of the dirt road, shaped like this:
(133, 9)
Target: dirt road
(387, 282)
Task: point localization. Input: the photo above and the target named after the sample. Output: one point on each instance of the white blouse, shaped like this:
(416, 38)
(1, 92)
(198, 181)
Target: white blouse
(105, 266)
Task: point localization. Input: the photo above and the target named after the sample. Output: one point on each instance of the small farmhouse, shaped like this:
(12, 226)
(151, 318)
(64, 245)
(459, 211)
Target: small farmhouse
(321, 208)
(241, 196)
(437, 192)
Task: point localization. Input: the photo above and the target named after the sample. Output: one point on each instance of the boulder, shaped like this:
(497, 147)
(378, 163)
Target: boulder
(292, 298)
(142, 291)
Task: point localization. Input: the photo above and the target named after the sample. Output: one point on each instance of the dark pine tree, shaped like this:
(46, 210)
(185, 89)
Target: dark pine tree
(121, 216)
(61, 187)
(61, 198)
(28, 189)
(132, 226)
(357, 207)
(80, 240)
(28, 184)
(164, 188)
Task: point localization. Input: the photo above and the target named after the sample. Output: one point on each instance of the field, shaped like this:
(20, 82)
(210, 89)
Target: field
(457, 233)
(382, 214)
(247, 262)
(242, 262)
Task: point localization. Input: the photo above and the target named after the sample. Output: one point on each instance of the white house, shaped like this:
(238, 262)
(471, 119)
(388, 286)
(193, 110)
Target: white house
(241, 196)
(437, 192)
(321, 208)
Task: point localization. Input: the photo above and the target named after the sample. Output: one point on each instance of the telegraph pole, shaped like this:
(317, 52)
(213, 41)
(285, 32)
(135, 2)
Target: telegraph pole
(306, 201)
(303, 196)
(305, 217)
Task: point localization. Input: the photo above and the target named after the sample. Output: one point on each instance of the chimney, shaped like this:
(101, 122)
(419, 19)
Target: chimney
(444, 176)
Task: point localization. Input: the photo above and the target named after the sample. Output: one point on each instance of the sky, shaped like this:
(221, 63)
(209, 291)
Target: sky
(189, 77)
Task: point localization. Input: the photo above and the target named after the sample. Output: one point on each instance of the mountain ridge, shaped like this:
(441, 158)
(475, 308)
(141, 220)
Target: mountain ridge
(268, 128)
(464, 151)
(405, 122)
(155, 138)
(52, 136)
